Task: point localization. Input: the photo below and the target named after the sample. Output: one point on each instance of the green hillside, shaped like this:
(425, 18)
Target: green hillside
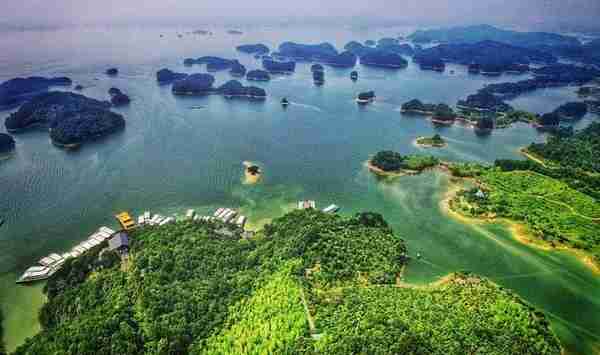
(308, 283)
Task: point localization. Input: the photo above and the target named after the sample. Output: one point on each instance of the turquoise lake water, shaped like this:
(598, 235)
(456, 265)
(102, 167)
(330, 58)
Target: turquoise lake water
(170, 158)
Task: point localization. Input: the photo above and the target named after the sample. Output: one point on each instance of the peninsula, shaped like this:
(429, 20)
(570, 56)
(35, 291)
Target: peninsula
(391, 164)
(308, 282)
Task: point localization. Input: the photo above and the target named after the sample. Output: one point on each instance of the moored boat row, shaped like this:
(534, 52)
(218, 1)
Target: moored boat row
(52, 263)
(303, 205)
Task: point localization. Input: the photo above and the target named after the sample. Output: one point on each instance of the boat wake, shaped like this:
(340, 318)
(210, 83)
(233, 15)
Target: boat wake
(312, 107)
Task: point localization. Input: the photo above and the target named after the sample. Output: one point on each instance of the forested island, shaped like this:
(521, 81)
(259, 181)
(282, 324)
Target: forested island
(213, 64)
(7, 143)
(278, 67)
(2, 349)
(258, 48)
(71, 118)
(390, 163)
(258, 75)
(440, 113)
(556, 75)
(18, 90)
(436, 141)
(336, 289)
(492, 58)
(165, 76)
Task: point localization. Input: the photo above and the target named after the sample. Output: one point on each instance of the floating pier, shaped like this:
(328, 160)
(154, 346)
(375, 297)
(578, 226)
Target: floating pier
(52, 263)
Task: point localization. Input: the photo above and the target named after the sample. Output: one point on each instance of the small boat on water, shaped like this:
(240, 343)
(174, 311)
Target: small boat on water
(196, 107)
(331, 209)
(284, 102)
(354, 75)
(1, 222)
(365, 97)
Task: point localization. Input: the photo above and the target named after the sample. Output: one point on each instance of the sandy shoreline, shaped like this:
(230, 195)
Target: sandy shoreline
(531, 156)
(383, 173)
(249, 178)
(517, 230)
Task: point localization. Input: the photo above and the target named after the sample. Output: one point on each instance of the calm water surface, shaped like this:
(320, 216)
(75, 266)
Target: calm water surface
(170, 158)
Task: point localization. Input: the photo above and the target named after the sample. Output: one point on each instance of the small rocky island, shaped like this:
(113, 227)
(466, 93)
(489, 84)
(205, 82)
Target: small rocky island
(118, 98)
(431, 142)
(278, 67)
(388, 163)
(235, 89)
(213, 64)
(18, 90)
(430, 63)
(252, 173)
(7, 144)
(259, 49)
(365, 97)
(258, 75)
(112, 71)
(383, 59)
(165, 76)
(195, 84)
(238, 70)
(72, 118)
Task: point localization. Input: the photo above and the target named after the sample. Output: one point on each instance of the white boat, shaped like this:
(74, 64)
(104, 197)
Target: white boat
(241, 221)
(229, 217)
(103, 235)
(36, 273)
(166, 221)
(224, 212)
(331, 209)
(107, 230)
(190, 214)
(141, 220)
(51, 259)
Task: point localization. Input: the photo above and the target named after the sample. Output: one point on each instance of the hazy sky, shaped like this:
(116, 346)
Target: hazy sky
(189, 11)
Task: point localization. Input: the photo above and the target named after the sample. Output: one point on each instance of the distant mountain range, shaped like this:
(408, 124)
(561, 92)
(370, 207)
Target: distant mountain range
(479, 33)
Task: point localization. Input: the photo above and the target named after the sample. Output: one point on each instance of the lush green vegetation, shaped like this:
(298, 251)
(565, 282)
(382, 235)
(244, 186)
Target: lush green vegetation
(396, 320)
(579, 151)
(577, 179)
(551, 209)
(272, 319)
(308, 283)
(2, 350)
(467, 169)
(511, 117)
(389, 161)
(435, 141)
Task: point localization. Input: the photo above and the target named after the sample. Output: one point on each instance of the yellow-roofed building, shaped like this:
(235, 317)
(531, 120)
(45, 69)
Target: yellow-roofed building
(125, 220)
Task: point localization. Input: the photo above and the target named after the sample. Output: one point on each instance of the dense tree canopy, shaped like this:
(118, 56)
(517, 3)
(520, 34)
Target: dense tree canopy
(189, 288)
(579, 151)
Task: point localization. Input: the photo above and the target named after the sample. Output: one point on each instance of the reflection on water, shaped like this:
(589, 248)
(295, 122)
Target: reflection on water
(170, 158)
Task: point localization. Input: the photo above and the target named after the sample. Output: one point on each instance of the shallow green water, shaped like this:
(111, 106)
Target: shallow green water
(171, 158)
